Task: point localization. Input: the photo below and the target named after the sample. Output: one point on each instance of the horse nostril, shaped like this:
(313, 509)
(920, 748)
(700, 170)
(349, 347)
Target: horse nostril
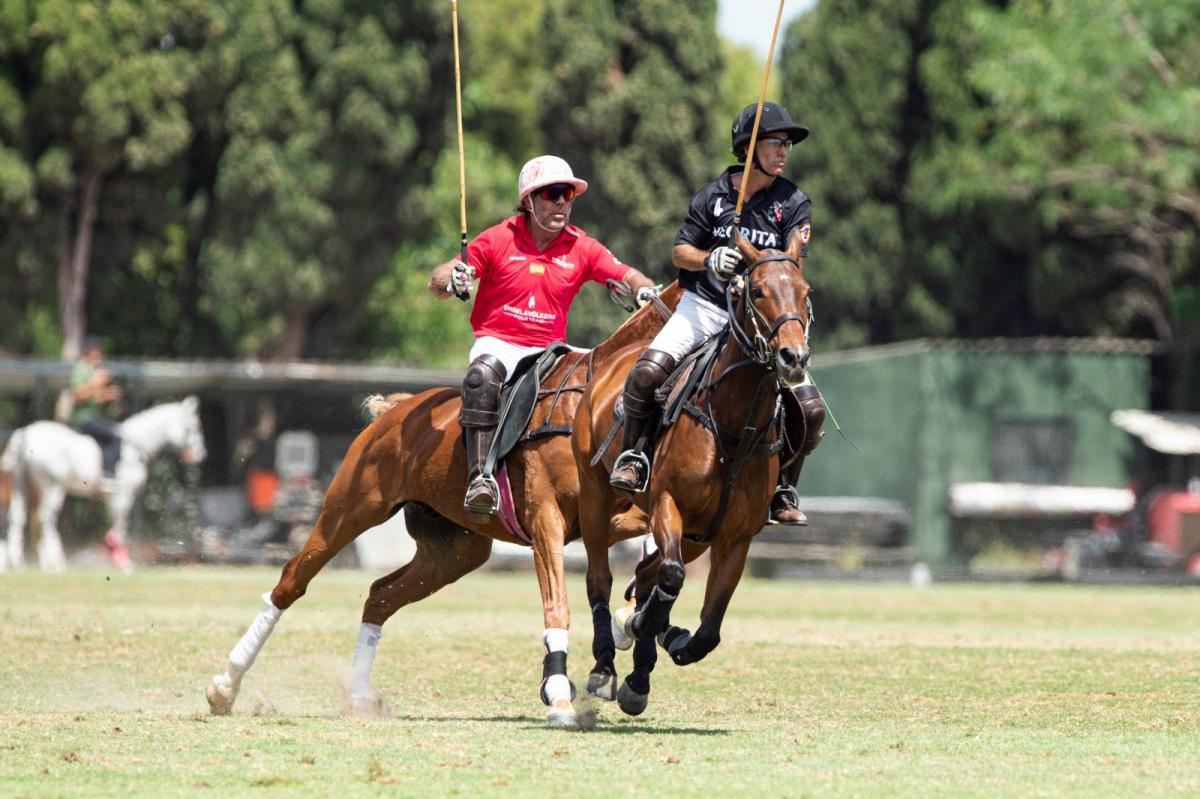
(805, 357)
(787, 357)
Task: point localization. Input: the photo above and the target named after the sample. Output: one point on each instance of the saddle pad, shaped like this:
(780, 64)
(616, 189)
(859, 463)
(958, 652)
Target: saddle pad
(684, 382)
(517, 401)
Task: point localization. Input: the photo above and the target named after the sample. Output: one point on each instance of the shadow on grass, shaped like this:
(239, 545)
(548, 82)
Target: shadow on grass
(624, 727)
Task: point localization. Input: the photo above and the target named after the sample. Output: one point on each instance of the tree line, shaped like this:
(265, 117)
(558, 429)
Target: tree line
(231, 178)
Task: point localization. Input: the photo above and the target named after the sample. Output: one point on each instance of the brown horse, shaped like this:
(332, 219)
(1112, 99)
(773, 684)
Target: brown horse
(411, 457)
(714, 470)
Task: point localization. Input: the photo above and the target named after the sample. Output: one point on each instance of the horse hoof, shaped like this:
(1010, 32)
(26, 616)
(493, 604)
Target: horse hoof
(630, 701)
(622, 627)
(562, 715)
(602, 686)
(219, 704)
(369, 707)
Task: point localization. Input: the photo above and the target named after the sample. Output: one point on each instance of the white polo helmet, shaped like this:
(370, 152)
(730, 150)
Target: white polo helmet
(546, 170)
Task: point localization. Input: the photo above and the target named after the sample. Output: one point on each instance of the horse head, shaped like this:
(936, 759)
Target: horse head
(773, 292)
(185, 431)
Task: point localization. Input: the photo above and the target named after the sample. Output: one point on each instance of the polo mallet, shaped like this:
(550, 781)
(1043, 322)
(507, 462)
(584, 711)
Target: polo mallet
(462, 166)
(762, 94)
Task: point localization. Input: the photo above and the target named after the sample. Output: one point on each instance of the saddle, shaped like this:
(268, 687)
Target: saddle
(673, 396)
(518, 398)
(681, 393)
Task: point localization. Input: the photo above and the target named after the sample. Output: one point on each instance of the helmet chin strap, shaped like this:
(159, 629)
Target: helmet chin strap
(537, 219)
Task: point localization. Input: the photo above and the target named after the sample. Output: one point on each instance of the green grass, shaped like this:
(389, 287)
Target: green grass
(818, 689)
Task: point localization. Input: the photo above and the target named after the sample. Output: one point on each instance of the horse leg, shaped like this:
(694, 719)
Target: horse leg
(647, 562)
(548, 530)
(654, 609)
(348, 510)
(594, 504)
(17, 516)
(50, 549)
(724, 574)
(445, 552)
(120, 503)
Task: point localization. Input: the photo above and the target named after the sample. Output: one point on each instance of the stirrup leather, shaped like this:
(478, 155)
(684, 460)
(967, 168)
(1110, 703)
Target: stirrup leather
(635, 459)
(473, 490)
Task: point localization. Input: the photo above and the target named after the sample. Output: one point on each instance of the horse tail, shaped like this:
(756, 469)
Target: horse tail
(10, 460)
(10, 468)
(376, 405)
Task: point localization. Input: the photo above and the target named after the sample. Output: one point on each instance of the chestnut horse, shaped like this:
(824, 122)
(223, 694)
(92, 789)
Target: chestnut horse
(411, 457)
(713, 474)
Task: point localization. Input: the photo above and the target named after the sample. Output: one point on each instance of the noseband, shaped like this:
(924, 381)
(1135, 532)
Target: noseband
(755, 342)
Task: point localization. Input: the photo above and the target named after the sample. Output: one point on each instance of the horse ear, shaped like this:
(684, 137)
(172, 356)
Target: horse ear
(748, 251)
(795, 246)
(192, 403)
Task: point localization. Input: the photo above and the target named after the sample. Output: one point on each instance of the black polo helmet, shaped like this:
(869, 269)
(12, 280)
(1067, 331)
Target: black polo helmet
(775, 118)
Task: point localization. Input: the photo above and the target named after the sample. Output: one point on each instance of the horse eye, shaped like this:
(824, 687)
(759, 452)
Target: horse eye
(756, 292)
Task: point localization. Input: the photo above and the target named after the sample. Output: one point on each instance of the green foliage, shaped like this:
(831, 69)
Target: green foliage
(981, 168)
(331, 132)
(87, 91)
(626, 100)
(1101, 175)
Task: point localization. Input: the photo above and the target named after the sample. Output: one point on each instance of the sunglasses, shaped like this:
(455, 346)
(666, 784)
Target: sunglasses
(777, 143)
(557, 191)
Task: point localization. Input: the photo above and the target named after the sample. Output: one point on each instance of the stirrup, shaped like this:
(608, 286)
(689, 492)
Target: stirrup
(482, 481)
(794, 495)
(636, 460)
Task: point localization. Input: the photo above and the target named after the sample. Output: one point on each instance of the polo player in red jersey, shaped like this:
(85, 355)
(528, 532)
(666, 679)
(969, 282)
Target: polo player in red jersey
(530, 267)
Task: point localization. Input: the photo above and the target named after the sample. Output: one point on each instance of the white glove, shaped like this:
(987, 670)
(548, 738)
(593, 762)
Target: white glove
(645, 293)
(723, 262)
(461, 277)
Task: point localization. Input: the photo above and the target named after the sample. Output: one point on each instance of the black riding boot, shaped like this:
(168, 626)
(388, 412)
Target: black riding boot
(478, 417)
(108, 438)
(804, 414)
(631, 472)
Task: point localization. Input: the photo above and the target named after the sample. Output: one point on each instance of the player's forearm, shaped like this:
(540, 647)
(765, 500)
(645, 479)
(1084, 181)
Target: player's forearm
(685, 256)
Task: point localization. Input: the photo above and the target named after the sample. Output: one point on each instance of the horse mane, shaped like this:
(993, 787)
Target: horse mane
(638, 325)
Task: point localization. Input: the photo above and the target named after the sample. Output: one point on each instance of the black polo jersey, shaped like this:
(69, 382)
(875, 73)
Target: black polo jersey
(768, 218)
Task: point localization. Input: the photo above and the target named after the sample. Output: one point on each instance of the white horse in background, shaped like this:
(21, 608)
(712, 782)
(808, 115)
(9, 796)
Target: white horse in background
(55, 461)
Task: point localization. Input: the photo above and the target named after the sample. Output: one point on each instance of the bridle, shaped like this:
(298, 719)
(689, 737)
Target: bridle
(752, 331)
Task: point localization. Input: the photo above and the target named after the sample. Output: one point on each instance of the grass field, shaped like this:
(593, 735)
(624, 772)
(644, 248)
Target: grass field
(818, 689)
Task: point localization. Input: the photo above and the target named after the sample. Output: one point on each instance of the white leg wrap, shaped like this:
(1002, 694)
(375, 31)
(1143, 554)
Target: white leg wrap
(247, 649)
(364, 657)
(555, 639)
(558, 687)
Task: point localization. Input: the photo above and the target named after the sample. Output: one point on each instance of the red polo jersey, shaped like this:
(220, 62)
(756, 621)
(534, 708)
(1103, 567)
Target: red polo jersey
(524, 294)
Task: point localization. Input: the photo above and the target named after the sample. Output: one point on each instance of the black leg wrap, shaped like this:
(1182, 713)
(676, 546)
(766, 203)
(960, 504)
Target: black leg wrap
(553, 663)
(654, 615)
(644, 657)
(604, 649)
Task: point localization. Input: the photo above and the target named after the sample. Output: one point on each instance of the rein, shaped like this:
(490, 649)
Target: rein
(751, 441)
(759, 347)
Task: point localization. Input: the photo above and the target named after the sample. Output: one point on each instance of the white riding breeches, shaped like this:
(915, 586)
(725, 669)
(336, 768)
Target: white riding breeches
(508, 354)
(694, 322)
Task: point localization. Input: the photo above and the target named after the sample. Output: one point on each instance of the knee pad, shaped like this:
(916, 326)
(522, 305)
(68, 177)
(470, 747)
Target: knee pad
(481, 392)
(650, 371)
(806, 415)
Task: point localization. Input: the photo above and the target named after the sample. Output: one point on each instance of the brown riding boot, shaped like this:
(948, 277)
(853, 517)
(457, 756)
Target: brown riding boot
(785, 508)
(478, 417)
(631, 472)
(483, 494)
(804, 412)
